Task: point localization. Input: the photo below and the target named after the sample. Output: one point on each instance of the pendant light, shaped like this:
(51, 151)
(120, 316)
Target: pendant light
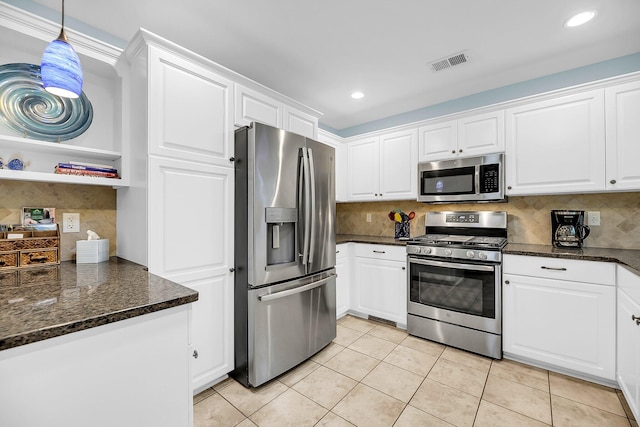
(60, 67)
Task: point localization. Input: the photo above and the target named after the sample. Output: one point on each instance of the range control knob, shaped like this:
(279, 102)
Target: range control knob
(426, 251)
(482, 255)
(471, 254)
(448, 252)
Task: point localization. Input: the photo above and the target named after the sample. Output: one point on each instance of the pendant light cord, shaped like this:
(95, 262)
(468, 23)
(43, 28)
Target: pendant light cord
(62, 35)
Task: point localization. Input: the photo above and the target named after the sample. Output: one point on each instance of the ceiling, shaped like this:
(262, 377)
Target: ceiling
(319, 52)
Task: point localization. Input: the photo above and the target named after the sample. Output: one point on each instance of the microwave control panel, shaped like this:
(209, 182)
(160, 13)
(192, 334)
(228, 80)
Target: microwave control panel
(490, 178)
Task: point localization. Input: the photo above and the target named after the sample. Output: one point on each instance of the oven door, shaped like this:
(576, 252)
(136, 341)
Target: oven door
(459, 293)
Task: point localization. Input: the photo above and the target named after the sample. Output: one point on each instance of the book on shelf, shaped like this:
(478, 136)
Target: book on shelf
(84, 172)
(88, 167)
(95, 165)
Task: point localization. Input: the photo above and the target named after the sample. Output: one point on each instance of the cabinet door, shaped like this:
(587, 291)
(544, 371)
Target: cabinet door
(438, 141)
(190, 222)
(399, 165)
(301, 123)
(253, 106)
(556, 146)
(211, 330)
(342, 281)
(341, 163)
(623, 136)
(363, 170)
(567, 324)
(628, 374)
(481, 134)
(190, 114)
(381, 289)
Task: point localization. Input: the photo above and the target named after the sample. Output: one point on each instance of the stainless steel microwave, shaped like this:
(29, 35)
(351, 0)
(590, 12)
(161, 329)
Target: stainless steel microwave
(471, 179)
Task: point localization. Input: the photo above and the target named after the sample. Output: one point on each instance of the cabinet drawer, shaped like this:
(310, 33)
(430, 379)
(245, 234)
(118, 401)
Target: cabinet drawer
(394, 253)
(8, 259)
(630, 283)
(38, 257)
(342, 251)
(563, 269)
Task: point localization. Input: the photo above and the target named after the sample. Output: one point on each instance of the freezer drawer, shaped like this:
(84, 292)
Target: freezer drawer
(288, 323)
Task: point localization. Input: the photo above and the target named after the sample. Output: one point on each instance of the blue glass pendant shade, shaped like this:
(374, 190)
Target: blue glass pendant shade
(61, 70)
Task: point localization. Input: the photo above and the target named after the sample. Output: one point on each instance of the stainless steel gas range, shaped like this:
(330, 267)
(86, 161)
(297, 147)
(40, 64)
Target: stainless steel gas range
(454, 280)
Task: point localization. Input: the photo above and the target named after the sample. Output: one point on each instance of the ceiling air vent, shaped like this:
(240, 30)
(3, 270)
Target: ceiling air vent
(450, 61)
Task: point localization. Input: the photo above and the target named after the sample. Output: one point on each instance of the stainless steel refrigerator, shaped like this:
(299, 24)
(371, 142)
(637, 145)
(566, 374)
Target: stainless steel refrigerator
(285, 251)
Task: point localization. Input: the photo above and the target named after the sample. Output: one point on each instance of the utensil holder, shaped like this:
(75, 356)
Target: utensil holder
(402, 230)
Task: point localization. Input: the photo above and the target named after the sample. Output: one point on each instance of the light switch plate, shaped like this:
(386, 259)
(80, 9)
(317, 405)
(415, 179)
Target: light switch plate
(593, 218)
(70, 222)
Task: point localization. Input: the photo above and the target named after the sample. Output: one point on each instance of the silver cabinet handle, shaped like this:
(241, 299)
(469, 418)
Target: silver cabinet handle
(337, 252)
(404, 268)
(453, 151)
(554, 268)
(506, 282)
(379, 252)
(636, 319)
(613, 181)
(509, 187)
(195, 354)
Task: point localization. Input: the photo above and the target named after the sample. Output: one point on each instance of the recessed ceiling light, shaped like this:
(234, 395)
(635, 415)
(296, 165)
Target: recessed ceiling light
(357, 95)
(580, 18)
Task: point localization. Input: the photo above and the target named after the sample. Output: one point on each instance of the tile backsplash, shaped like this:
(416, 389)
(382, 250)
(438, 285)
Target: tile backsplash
(96, 205)
(529, 217)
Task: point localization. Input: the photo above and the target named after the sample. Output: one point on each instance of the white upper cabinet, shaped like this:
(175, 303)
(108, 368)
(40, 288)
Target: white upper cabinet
(340, 163)
(438, 141)
(383, 167)
(468, 136)
(254, 106)
(189, 110)
(300, 122)
(623, 136)
(557, 145)
(398, 165)
(364, 169)
(481, 134)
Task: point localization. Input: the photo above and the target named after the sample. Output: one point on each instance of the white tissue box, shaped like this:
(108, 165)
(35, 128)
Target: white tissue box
(91, 251)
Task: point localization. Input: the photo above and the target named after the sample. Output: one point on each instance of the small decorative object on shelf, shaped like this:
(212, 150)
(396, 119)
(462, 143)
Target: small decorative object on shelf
(31, 111)
(16, 164)
(1, 163)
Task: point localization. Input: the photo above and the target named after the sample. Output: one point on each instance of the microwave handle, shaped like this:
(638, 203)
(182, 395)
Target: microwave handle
(477, 179)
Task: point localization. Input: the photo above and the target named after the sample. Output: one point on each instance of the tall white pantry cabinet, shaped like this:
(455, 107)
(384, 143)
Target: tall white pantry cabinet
(177, 215)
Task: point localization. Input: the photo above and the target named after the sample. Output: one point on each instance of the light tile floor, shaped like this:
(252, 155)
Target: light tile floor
(376, 375)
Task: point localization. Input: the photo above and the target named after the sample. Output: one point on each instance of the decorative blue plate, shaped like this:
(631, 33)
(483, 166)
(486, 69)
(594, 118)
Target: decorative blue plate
(28, 109)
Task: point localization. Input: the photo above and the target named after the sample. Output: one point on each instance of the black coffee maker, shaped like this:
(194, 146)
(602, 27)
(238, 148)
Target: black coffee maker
(568, 229)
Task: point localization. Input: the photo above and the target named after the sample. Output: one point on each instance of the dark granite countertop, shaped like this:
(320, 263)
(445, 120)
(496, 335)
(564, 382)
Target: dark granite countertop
(83, 296)
(627, 257)
(376, 240)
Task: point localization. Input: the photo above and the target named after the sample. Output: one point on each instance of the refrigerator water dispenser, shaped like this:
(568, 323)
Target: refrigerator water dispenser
(281, 235)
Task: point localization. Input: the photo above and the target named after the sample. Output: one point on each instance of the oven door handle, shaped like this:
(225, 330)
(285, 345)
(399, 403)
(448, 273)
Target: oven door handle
(459, 266)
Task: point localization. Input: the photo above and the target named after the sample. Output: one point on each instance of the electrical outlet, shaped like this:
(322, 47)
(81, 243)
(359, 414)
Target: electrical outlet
(70, 222)
(368, 217)
(593, 218)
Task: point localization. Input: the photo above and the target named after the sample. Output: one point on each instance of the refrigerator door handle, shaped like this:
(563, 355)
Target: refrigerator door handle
(307, 210)
(300, 232)
(300, 289)
(312, 173)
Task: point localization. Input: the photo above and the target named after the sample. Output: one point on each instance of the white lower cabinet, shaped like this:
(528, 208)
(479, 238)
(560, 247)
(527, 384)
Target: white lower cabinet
(342, 282)
(211, 331)
(560, 313)
(134, 372)
(628, 372)
(380, 282)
